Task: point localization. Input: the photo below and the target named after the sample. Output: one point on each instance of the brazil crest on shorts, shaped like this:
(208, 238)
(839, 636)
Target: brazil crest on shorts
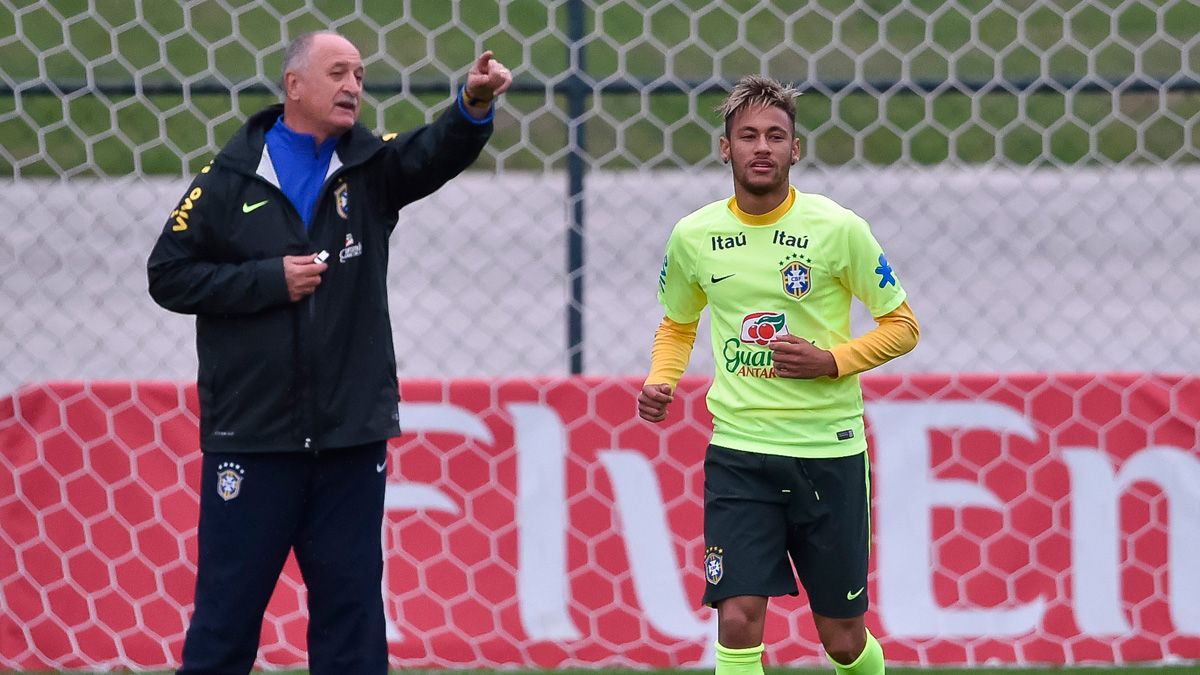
(714, 566)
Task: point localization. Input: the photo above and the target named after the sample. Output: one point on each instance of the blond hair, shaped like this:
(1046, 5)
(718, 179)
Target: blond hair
(754, 91)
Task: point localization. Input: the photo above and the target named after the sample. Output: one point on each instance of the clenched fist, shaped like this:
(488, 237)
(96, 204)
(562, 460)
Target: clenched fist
(653, 402)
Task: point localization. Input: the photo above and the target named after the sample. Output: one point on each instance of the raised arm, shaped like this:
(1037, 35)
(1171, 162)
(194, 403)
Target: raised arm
(420, 161)
(487, 79)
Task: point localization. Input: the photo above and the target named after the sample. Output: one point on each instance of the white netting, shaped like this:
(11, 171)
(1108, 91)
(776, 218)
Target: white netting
(1020, 519)
(1029, 166)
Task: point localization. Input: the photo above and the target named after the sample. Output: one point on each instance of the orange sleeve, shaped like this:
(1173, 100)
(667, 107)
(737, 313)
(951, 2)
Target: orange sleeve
(672, 349)
(896, 334)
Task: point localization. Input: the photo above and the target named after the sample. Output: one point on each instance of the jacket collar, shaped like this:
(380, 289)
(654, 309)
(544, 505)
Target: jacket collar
(244, 150)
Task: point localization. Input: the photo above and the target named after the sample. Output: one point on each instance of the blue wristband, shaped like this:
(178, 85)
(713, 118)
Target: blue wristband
(462, 95)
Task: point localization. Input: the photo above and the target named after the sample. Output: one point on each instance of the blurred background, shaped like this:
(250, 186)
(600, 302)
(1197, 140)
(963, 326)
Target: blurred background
(1031, 169)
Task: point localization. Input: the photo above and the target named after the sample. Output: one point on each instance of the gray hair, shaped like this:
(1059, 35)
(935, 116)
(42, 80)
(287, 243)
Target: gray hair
(753, 91)
(296, 56)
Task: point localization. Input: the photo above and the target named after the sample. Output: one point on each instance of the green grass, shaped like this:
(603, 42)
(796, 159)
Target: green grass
(90, 133)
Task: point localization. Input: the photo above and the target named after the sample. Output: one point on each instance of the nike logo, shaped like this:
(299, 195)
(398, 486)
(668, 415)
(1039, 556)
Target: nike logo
(716, 279)
(380, 467)
(247, 208)
(855, 594)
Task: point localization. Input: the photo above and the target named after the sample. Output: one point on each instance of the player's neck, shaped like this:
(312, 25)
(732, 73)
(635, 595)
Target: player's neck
(758, 204)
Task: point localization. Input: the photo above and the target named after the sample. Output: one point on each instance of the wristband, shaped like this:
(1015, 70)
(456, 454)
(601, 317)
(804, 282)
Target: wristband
(475, 101)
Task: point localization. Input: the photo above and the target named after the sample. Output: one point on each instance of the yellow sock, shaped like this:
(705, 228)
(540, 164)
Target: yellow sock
(869, 662)
(746, 661)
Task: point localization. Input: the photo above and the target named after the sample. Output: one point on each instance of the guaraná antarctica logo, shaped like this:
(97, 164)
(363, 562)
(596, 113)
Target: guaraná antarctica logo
(758, 329)
(763, 328)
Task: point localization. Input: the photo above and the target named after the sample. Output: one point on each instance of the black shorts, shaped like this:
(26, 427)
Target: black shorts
(760, 510)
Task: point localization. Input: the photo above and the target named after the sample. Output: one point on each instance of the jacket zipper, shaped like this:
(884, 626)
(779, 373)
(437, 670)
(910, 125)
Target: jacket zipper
(307, 355)
(301, 346)
(310, 355)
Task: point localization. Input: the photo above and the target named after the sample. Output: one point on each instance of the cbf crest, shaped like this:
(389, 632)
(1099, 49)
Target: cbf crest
(341, 197)
(714, 565)
(796, 274)
(229, 480)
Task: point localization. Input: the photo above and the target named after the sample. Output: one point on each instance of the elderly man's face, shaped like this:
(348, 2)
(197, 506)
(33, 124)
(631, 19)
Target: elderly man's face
(326, 93)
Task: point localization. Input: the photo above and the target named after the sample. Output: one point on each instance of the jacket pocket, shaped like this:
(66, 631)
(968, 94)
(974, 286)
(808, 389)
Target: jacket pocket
(249, 377)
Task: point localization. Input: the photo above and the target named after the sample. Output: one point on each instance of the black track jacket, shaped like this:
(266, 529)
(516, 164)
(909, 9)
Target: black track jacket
(320, 373)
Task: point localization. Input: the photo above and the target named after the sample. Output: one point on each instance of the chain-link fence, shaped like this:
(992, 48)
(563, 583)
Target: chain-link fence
(1030, 167)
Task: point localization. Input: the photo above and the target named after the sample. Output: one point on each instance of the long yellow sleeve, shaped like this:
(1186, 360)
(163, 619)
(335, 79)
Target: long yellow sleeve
(897, 333)
(671, 352)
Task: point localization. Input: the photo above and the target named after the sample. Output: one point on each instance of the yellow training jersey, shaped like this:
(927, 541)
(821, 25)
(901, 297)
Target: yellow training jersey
(791, 271)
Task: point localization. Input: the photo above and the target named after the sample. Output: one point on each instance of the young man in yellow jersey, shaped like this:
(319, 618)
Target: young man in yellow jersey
(786, 474)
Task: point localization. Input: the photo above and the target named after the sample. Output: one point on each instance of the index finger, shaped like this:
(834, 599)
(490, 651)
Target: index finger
(481, 64)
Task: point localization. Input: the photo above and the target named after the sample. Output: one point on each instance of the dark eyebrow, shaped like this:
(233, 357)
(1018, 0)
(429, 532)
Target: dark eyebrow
(770, 129)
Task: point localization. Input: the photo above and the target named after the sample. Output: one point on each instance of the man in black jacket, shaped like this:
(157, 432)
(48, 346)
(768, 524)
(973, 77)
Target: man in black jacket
(280, 249)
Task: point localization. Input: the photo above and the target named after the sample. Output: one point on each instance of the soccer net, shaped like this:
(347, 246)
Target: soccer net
(1029, 166)
(1026, 165)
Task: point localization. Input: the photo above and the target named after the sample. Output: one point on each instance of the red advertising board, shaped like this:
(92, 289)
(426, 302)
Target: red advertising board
(1018, 520)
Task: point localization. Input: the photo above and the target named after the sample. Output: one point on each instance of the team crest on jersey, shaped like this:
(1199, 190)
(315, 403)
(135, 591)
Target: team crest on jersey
(341, 197)
(229, 480)
(796, 273)
(763, 328)
(714, 564)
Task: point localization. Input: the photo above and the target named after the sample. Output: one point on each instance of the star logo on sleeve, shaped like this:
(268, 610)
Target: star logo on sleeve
(886, 276)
